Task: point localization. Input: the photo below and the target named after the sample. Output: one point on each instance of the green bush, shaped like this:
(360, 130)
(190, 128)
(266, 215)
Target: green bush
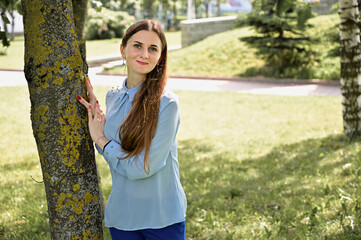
(107, 24)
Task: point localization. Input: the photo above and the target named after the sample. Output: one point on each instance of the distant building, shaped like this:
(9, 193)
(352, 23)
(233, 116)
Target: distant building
(231, 6)
(323, 7)
(235, 6)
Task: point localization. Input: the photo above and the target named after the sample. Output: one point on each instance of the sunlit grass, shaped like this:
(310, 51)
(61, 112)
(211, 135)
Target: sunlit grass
(14, 59)
(253, 167)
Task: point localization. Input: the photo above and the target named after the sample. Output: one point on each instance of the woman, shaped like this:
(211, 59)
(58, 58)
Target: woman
(138, 140)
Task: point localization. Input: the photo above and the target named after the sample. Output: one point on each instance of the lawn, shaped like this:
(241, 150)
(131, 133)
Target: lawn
(252, 166)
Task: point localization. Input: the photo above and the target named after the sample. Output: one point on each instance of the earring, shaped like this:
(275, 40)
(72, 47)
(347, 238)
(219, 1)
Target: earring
(123, 63)
(157, 68)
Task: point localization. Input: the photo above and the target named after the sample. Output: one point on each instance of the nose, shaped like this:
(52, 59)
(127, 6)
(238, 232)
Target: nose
(145, 54)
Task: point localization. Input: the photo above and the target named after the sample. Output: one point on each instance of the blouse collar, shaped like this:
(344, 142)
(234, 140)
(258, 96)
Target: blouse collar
(130, 91)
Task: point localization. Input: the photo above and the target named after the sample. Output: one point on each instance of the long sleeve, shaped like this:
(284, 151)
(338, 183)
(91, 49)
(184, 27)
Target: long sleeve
(100, 151)
(133, 168)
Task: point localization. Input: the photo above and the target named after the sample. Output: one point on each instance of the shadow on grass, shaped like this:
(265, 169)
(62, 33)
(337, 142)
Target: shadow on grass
(26, 163)
(294, 189)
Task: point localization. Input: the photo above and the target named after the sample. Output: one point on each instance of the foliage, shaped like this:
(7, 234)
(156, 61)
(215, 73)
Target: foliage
(281, 41)
(106, 24)
(7, 6)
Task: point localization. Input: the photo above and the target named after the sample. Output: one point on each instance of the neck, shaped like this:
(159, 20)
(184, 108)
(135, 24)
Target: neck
(134, 80)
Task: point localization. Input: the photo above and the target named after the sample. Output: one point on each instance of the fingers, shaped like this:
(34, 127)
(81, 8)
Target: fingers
(87, 81)
(90, 116)
(90, 93)
(83, 101)
(88, 85)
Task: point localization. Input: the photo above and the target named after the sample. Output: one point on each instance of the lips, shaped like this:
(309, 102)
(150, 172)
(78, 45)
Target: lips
(141, 63)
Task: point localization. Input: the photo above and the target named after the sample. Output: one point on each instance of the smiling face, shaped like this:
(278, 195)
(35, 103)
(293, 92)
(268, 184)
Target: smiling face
(142, 52)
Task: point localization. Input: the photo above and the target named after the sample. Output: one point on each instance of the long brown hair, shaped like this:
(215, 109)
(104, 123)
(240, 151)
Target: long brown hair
(139, 127)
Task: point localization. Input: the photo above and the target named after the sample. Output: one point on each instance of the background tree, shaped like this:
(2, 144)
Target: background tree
(10, 7)
(4, 5)
(280, 24)
(350, 67)
(148, 8)
(54, 70)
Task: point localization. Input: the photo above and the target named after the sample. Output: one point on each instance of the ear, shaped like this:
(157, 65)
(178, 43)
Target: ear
(122, 51)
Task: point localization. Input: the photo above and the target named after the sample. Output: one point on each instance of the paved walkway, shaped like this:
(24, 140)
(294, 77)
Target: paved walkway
(16, 78)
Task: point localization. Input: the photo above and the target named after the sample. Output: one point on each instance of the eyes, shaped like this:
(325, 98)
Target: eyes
(151, 49)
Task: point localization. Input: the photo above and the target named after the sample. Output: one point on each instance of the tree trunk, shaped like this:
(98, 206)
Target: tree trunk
(206, 6)
(148, 8)
(3, 12)
(12, 15)
(80, 14)
(350, 67)
(54, 68)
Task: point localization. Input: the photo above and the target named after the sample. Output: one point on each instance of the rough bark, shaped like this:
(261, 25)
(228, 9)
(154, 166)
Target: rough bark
(54, 71)
(350, 67)
(80, 14)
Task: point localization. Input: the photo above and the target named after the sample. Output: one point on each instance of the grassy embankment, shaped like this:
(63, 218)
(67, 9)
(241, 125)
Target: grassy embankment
(224, 55)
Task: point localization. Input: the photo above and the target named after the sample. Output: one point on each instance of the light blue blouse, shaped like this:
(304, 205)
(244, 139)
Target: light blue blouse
(138, 200)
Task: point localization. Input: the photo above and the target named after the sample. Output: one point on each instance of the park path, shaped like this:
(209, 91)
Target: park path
(272, 87)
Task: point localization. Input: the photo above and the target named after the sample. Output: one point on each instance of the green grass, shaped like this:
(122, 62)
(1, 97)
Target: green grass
(253, 167)
(222, 54)
(325, 29)
(15, 53)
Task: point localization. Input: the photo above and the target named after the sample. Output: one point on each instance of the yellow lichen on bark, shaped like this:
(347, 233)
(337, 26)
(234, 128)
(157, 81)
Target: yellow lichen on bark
(48, 178)
(76, 187)
(87, 235)
(39, 115)
(70, 201)
(39, 51)
(70, 123)
(40, 111)
(88, 197)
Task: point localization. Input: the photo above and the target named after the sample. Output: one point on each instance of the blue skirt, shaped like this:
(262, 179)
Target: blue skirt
(175, 232)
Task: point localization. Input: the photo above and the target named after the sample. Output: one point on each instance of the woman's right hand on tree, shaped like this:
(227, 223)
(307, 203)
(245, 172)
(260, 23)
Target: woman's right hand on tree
(90, 93)
(95, 114)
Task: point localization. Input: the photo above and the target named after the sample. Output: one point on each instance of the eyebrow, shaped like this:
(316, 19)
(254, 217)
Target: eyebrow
(153, 45)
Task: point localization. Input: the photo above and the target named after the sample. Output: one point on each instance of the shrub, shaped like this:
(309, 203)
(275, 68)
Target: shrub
(106, 24)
